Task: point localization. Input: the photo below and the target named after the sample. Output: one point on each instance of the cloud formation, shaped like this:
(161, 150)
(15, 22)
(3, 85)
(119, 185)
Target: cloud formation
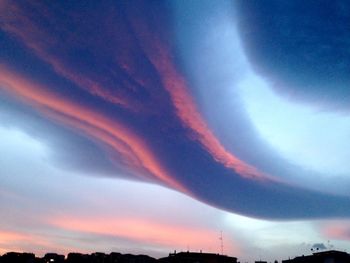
(131, 149)
(119, 82)
(301, 47)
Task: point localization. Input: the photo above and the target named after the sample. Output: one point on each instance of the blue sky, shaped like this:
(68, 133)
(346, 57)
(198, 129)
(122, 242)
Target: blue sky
(149, 127)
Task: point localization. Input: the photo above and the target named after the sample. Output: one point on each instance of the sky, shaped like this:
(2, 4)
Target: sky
(146, 127)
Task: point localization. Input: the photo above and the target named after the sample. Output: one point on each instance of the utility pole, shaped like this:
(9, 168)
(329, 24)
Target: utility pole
(221, 243)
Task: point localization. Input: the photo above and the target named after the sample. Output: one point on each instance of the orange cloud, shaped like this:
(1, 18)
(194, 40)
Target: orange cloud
(42, 42)
(7, 236)
(14, 241)
(33, 243)
(9, 241)
(186, 108)
(133, 149)
(35, 37)
(142, 230)
(339, 230)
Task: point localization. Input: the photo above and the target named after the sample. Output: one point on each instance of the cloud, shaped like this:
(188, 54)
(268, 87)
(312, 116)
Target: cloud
(132, 150)
(185, 106)
(63, 148)
(41, 41)
(170, 143)
(128, 215)
(139, 230)
(288, 138)
(72, 56)
(336, 229)
(302, 50)
(36, 196)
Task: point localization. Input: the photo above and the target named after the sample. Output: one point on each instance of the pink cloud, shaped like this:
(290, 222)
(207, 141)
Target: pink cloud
(133, 150)
(337, 229)
(36, 37)
(28, 242)
(186, 108)
(142, 230)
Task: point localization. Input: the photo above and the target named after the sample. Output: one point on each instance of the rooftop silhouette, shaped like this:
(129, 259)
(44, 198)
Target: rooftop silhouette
(330, 256)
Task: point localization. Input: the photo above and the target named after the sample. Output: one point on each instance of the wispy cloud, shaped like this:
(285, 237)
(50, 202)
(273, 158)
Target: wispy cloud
(132, 149)
(184, 104)
(56, 52)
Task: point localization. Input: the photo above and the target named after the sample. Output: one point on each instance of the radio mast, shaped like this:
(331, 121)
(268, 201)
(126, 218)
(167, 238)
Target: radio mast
(221, 243)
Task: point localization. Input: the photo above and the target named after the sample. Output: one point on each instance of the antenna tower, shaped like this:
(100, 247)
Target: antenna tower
(221, 243)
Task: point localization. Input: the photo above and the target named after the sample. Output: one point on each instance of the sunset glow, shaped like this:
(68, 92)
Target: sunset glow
(146, 127)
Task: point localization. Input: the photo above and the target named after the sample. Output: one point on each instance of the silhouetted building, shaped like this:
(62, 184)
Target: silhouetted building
(129, 258)
(331, 256)
(11, 257)
(194, 257)
(99, 257)
(115, 257)
(53, 258)
(78, 258)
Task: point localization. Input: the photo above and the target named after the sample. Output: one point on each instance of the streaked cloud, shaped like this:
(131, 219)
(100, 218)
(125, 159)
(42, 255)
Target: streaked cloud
(105, 104)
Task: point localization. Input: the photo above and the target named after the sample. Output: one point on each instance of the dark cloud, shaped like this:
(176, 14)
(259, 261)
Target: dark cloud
(211, 46)
(302, 47)
(67, 149)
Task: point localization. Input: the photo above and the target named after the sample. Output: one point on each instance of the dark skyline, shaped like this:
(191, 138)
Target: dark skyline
(317, 256)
